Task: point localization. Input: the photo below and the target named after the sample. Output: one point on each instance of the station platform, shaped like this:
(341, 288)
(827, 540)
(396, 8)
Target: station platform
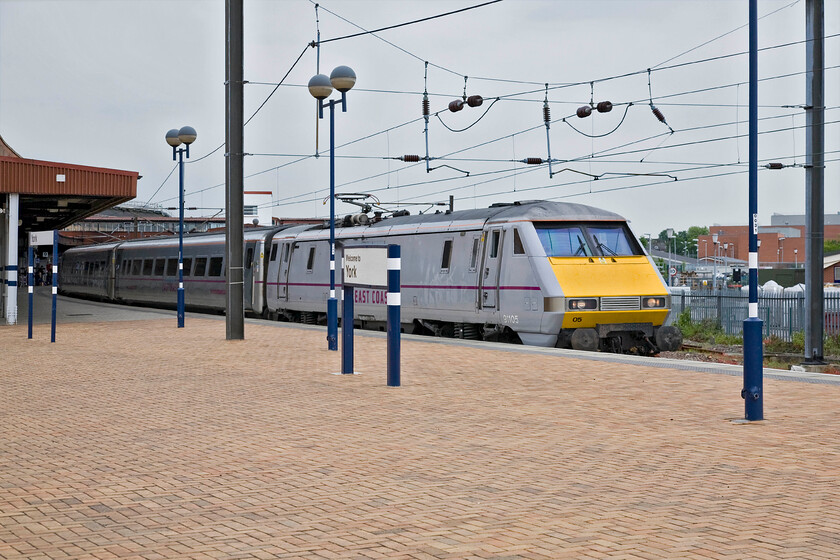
(131, 438)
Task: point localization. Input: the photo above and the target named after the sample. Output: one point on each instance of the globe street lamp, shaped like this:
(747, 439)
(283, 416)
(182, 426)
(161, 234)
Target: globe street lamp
(185, 135)
(343, 79)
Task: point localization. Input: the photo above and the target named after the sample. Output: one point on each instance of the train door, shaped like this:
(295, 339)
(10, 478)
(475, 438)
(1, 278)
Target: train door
(490, 275)
(285, 251)
(248, 276)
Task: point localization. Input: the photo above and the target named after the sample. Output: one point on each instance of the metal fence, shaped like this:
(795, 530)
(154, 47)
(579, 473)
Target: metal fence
(783, 313)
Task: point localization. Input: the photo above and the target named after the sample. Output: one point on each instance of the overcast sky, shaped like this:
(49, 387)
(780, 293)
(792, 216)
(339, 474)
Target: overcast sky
(100, 82)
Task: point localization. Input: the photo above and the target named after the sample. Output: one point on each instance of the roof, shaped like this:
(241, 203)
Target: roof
(54, 195)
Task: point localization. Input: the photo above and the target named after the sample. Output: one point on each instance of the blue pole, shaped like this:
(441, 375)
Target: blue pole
(30, 283)
(54, 282)
(181, 239)
(332, 303)
(393, 315)
(347, 329)
(753, 390)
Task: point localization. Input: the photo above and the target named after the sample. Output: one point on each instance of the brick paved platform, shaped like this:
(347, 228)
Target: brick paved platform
(139, 440)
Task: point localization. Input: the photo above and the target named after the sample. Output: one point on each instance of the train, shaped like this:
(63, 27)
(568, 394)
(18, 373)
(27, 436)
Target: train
(540, 273)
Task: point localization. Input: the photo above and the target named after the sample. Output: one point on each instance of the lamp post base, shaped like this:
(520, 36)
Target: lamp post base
(753, 391)
(332, 324)
(180, 308)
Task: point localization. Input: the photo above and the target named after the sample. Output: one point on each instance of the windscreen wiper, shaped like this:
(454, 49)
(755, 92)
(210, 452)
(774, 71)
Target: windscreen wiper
(603, 247)
(581, 250)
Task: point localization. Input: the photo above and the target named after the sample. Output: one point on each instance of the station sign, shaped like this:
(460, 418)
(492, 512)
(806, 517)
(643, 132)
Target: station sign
(366, 266)
(41, 238)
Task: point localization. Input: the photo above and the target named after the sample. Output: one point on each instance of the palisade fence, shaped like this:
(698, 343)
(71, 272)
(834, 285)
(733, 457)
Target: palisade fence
(783, 313)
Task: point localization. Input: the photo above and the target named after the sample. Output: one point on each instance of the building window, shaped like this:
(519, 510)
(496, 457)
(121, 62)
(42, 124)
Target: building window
(251, 210)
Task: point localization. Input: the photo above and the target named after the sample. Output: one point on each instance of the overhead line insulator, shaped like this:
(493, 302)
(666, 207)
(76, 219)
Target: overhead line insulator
(411, 158)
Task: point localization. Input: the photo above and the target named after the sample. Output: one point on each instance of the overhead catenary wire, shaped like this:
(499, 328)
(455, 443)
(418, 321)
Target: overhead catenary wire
(602, 153)
(371, 32)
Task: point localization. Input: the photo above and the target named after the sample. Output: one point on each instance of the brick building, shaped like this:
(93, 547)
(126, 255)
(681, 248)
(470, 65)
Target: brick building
(781, 244)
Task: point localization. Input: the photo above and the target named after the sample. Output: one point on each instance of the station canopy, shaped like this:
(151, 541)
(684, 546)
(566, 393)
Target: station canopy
(54, 195)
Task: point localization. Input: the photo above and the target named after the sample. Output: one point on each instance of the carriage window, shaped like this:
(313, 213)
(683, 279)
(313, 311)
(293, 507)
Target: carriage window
(474, 256)
(274, 252)
(311, 262)
(215, 266)
(563, 241)
(160, 265)
(172, 267)
(611, 240)
(447, 255)
(200, 266)
(494, 243)
(136, 266)
(187, 266)
(249, 257)
(518, 248)
(148, 265)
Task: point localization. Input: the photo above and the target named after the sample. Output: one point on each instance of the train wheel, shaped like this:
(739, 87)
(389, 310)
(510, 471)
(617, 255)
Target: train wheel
(669, 338)
(585, 339)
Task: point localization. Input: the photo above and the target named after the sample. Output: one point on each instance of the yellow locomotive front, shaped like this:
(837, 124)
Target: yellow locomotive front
(613, 297)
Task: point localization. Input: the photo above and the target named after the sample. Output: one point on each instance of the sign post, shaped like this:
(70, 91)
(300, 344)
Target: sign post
(378, 267)
(43, 238)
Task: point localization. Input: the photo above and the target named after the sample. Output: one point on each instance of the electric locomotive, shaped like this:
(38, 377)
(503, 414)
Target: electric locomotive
(537, 272)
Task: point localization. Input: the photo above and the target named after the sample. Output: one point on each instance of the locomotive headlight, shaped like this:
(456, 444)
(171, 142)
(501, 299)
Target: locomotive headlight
(583, 304)
(653, 302)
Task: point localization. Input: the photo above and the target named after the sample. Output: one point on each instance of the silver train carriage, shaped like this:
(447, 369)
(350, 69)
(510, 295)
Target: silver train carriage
(145, 271)
(543, 273)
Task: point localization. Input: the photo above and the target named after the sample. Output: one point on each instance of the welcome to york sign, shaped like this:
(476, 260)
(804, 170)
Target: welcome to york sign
(366, 266)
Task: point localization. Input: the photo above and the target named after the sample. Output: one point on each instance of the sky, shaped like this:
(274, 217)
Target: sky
(100, 82)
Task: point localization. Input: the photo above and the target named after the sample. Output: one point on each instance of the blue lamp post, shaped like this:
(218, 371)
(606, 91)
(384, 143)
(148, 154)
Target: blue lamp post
(320, 87)
(175, 137)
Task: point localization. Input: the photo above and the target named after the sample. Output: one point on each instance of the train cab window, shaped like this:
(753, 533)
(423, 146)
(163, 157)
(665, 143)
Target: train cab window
(148, 266)
(612, 240)
(160, 266)
(136, 267)
(187, 267)
(563, 241)
(474, 256)
(200, 266)
(274, 252)
(494, 243)
(518, 248)
(249, 258)
(311, 261)
(447, 256)
(172, 267)
(215, 266)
